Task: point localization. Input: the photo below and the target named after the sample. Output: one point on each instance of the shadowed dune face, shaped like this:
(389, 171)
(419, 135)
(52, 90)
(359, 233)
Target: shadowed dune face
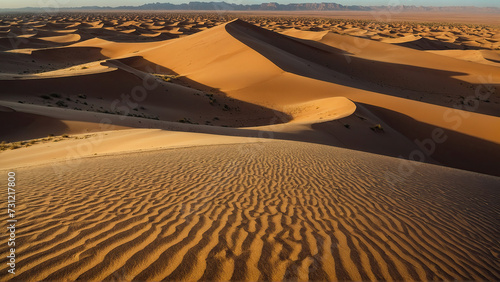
(69, 55)
(256, 211)
(166, 101)
(429, 44)
(33, 125)
(392, 76)
(451, 148)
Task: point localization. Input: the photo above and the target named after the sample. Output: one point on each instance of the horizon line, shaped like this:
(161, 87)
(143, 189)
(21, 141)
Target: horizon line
(250, 4)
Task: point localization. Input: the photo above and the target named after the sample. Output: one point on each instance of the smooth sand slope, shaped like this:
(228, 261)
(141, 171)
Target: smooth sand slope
(256, 211)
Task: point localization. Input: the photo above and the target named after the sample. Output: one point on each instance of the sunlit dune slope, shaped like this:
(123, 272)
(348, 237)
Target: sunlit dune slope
(256, 211)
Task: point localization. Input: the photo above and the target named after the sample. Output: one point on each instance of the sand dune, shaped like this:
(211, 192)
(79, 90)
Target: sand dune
(259, 148)
(479, 56)
(63, 38)
(271, 88)
(241, 212)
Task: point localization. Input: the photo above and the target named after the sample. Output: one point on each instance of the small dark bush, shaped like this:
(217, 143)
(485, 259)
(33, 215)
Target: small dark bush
(61, 103)
(377, 128)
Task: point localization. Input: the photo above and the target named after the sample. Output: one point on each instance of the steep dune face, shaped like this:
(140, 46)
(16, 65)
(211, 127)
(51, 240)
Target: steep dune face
(68, 55)
(111, 92)
(256, 211)
(179, 104)
(453, 71)
(68, 38)
(372, 73)
(33, 125)
(358, 69)
(213, 57)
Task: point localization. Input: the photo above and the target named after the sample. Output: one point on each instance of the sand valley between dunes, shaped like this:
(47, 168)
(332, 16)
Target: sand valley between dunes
(250, 147)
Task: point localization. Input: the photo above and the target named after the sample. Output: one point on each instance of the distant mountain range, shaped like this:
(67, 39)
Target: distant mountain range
(273, 6)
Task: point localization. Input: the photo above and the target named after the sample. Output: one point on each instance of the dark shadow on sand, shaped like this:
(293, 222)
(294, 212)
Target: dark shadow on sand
(339, 67)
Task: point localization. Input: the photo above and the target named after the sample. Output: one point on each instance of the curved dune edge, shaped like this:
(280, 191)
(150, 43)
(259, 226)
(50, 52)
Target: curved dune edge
(321, 110)
(62, 38)
(478, 56)
(122, 141)
(220, 213)
(403, 39)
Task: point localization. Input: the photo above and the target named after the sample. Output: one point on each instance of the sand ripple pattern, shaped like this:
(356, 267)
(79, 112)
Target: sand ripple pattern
(263, 211)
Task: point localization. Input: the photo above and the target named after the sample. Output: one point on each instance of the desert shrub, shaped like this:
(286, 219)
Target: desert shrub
(377, 128)
(15, 145)
(46, 97)
(55, 95)
(167, 77)
(185, 120)
(211, 99)
(61, 103)
(3, 146)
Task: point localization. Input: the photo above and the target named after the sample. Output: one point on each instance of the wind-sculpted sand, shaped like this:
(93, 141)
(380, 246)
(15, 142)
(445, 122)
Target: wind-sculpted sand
(421, 36)
(201, 146)
(256, 211)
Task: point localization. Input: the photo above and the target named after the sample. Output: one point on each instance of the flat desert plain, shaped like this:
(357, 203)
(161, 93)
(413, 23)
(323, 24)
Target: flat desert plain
(205, 146)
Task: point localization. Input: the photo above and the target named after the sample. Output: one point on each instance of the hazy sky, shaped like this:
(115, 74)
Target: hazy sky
(77, 3)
